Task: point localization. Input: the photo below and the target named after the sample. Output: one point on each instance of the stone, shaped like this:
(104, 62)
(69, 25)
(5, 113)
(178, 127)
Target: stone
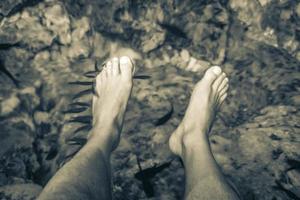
(41, 117)
(57, 20)
(152, 39)
(294, 182)
(264, 2)
(265, 140)
(8, 106)
(185, 55)
(20, 191)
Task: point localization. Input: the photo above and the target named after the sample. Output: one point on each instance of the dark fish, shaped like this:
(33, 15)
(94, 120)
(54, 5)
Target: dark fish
(75, 110)
(151, 171)
(83, 104)
(295, 164)
(90, 74)
(81, 83)
(148, 188)
(6, 46)
(145, 176)
(70, 153)
(82, 93)
(77, 141)
(146, 182)
(288, 192)
(86, 119)
(164, 118)
(52, 153)
(174, 30)
(141, 77)
(8, 74)
(96, 67)
(83, 128)
(18, 6)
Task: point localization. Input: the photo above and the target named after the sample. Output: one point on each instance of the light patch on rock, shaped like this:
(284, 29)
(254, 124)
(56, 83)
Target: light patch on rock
(264, 2)
(41, 117)
(196, 65)
(21, 191)
(9, 105)
(81, 27)
(57, 20)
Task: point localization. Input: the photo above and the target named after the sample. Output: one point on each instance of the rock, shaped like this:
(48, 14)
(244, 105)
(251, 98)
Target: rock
(254, 138)
(264, 2)
(8, 106)
(291, 183)
(20, 191)
(41, 117)
(30, 100)
(265, 140)
(35, 36)
(246, 10)
(185, 55)
(57, 20)
(9, 7)
(152, 39)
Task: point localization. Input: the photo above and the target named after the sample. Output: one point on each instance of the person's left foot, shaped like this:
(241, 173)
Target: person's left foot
(112, 91)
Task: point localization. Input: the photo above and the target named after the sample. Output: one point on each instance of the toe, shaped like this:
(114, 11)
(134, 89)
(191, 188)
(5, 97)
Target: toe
(223, 91)
(223, 84)
(126, 67)
(212, 73)
(109, 66)
(222, 99)
(219, 81)
(115, 66)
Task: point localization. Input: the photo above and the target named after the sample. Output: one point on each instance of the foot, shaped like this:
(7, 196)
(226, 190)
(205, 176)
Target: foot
(207, 97)
(112, 91)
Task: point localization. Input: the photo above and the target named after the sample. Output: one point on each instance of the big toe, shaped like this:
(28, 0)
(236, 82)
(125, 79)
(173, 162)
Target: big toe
(212, 73)
(126, 67)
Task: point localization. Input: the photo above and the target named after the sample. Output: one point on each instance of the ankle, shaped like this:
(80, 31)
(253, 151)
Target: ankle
(194, 141)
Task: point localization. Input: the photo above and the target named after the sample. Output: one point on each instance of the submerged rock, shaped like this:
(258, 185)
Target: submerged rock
(20, 191)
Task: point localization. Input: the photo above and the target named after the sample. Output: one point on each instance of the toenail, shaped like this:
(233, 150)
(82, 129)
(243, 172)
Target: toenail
(217, 70)
(108, 63)
(124, 60)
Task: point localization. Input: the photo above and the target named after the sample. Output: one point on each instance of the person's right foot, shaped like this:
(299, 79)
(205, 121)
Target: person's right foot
(207, 97)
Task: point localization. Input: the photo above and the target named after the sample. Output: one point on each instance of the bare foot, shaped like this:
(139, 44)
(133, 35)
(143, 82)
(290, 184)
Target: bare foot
(113, 89)
(207, 97)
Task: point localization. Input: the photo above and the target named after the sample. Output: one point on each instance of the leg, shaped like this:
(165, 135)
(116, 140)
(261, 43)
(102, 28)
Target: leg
(87, 175)
(204, 179)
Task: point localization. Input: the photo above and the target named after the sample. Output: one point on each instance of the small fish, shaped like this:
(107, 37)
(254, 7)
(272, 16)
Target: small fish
(8, 74)
(6, 46)
(52, 153)
(174, 30)
(86, 119)
(152, 171)
(82, 93)
(78, 103)
(96, 67)
(81, 83)
(164, 118)
(75, 110)
(77, 141)
(83, 128)
(141, 77)
(145, 176)
(90, 74)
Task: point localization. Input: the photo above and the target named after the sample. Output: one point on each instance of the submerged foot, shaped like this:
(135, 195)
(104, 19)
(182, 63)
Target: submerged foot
(208, 95)
(112, 91)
